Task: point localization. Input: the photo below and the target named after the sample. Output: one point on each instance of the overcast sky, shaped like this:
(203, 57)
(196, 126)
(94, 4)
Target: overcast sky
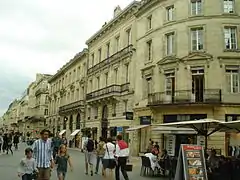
(39, 36)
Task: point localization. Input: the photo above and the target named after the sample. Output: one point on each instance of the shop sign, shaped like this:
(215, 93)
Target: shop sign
(129, 115)
(119, 129)
(145, 120)
(191, 163)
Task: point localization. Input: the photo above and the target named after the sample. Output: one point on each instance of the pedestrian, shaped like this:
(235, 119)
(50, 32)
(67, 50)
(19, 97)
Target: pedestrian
(1, 143)
(9, 143)
(28, 167)
(122, 154)
(89, 154)
(5, 142)
(42, 152)
(62, 161)
(56, 143)
(109, 161)
(100, 153)
(16, 141)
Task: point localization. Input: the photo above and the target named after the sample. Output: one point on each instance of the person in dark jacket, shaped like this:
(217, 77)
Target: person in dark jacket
(9, 143)
(56, 143)
(5, 142)
(16, 141)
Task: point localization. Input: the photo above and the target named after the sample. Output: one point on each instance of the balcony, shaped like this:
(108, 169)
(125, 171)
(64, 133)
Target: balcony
(41, 91)
(112, 59)
(207, 96)
(75, 106)
(113, 90)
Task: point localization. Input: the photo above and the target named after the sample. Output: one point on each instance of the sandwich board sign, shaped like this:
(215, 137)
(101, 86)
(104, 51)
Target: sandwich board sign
(191, 163)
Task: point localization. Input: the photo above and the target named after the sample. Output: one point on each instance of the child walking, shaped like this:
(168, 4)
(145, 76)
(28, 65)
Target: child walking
(62, 161)
(28, 166)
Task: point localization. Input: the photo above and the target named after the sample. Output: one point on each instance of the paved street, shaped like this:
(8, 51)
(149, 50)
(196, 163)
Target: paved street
(9, 164)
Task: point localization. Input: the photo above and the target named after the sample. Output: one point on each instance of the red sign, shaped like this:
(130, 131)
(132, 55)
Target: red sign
(189, 147)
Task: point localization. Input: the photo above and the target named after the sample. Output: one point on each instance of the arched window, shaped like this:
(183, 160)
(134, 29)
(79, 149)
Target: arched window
(78, 121)
(71, 123)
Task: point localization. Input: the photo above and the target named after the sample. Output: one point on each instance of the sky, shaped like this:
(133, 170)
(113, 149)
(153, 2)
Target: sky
(40, 36)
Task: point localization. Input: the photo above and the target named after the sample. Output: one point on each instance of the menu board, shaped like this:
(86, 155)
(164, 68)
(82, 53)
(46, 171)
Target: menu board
(194, 162)
(170, 145)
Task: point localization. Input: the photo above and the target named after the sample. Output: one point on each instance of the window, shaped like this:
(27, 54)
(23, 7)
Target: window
(170, 83)
(228, 6)
(196, 7)
(117, 43)
(230, 36)
(106, 79)
(116, 75)
(128, 33)
(108, 50)
(149, 22)
(170, 13)
(45, 112)
(96, 113)
(197, 39)
(98, 82)
(127, 74)
(114, 109)
(99, 55)
(170, 44)
(233, 79)
(93, 59)
(149, 50)
(149, 86)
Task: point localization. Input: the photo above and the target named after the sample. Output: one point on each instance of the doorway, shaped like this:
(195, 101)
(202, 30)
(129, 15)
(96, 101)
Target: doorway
(105, 121)
(198, 85)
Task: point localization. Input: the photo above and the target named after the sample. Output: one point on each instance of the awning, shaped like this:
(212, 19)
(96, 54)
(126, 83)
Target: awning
(75, 132)
(62, 132)
(136, 128)
(174, 130)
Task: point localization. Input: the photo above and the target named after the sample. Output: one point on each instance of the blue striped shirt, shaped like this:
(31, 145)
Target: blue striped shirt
(42, 152)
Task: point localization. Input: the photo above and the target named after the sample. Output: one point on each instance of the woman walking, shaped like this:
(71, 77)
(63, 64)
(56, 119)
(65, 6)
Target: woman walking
(109, 161)
(100, 153)
(9, 143)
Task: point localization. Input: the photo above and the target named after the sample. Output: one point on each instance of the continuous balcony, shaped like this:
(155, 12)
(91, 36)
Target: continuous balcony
(41, 91)
(112, 59)
(207, 96)
(109, 91)
(75, 106)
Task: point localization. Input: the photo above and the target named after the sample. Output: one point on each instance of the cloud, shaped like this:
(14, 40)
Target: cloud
(39, 36)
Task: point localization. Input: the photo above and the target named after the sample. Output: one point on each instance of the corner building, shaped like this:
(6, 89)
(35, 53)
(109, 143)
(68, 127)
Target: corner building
(188, 68)
(110, 74)
(67, 99)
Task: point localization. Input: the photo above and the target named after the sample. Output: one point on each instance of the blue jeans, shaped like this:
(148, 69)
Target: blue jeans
(27, 177)
(99, 158)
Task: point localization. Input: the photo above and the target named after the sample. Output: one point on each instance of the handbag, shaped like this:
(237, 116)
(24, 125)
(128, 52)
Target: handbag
(111, 162)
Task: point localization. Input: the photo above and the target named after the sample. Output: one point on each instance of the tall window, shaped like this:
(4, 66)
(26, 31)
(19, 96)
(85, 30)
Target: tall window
(228, 6)
(116, 76)
(149, 50)
(114, 109)
(98, 82)
(106, 79)
(92, 59)
(170, 44)
(108, 50)
(117, 43)
(149, 86)
(196, 7)
(128, 33)
(149, 22)
(233, 79)
(100, 55)
(127, 73)
(170, 13)
(230, 36)
(197, 39)
(170, 83)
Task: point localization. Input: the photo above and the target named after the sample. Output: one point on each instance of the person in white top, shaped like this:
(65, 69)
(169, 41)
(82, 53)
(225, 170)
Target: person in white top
(109, 161)
(122, 153)
(153, 160)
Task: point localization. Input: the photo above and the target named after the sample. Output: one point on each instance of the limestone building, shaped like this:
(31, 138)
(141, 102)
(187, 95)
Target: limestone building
(67, 97)
(188, 68)
(110, 74)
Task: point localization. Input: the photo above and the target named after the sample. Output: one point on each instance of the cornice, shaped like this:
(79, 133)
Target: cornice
(146, 5)
(69, 64)
(127, 10)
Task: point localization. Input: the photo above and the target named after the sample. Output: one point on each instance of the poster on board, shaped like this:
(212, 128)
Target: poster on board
(192, 161)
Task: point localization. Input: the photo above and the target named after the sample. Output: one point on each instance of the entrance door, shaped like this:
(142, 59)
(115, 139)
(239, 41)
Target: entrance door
(105, 121)
(198, 85)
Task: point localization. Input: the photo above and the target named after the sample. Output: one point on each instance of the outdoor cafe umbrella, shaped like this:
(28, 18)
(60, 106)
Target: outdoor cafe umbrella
(231, 127)
(203, 127)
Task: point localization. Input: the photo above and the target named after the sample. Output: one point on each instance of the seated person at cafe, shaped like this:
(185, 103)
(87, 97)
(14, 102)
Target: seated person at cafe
(213, 161)
(153, 160)
(164, 159)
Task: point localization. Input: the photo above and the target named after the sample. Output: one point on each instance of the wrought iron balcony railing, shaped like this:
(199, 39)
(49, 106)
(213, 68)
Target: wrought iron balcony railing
(111, 59)
(71, 106)
(207, 96)
(109, 90)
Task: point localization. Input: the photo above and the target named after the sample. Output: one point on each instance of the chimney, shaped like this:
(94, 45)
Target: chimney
(117, 11)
